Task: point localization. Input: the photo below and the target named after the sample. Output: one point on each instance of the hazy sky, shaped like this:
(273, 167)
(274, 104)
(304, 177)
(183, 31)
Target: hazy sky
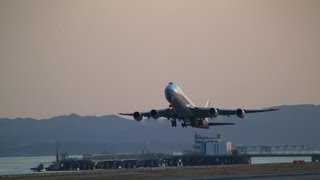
(104, 57)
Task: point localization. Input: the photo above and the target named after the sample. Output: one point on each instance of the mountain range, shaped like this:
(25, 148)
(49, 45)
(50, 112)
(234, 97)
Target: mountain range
(291, 125)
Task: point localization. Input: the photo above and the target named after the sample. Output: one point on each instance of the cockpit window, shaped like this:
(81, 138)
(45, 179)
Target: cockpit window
(170, 83)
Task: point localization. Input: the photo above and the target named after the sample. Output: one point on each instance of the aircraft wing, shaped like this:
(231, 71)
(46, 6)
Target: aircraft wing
(234, 112)
(219, 124)
(212, 112)
(165, 113)
(200, 112)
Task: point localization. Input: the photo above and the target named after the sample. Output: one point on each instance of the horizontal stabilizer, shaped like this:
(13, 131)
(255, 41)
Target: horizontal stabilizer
(220, 124)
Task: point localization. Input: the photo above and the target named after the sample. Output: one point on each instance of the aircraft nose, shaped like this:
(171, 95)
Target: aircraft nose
(170, 88)
(169, 91)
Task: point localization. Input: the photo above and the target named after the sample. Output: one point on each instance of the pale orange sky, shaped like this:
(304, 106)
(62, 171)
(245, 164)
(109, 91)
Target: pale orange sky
(104, 57)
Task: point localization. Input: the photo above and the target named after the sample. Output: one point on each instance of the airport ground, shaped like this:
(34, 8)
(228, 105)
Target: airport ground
(261, 171)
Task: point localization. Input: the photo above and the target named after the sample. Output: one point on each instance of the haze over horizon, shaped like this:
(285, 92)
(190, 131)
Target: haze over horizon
(104, 57)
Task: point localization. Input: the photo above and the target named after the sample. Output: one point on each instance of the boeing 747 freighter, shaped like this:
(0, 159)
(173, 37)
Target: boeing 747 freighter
(182, 109)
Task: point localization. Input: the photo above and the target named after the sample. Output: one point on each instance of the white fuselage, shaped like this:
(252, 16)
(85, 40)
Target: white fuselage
(180, 103)
(182, 106)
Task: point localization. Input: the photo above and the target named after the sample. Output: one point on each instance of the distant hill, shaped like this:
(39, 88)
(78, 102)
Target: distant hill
(293, 125)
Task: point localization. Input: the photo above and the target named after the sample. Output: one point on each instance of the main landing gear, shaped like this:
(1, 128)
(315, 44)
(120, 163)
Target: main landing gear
(173, 123)
(184, 124)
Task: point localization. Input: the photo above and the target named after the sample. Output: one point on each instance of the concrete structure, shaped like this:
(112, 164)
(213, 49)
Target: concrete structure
(211, 145)
(265, 150)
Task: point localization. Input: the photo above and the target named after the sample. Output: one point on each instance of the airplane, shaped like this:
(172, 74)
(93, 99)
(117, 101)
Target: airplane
(182, 109)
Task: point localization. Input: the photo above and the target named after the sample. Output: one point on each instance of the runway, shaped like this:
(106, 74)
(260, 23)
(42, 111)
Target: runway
(262, 171)
(277, 176)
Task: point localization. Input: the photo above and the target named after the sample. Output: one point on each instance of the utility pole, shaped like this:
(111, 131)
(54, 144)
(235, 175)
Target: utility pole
(57, 151)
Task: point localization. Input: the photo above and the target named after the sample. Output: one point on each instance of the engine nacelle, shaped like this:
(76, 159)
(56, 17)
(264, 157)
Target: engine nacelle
(240, 113)
(137, 116)
(213, 112)
(154, 114)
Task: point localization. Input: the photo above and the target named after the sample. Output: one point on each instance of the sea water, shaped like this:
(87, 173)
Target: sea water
(22, 165)
(279, 159)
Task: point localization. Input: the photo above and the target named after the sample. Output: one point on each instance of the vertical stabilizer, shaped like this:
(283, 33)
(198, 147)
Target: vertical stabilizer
(208, 103)
(207, 106)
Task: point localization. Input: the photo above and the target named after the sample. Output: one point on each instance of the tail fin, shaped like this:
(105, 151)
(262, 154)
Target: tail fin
(208, 103)
(207, 106)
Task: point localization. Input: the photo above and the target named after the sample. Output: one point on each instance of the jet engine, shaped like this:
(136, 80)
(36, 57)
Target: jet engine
(154, 114)
(137, 116)
(240, 113)
(213, 112)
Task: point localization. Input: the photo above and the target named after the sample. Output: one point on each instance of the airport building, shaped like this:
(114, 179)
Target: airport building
(211, 145)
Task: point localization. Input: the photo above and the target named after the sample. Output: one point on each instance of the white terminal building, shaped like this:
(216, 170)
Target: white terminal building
(211, 145)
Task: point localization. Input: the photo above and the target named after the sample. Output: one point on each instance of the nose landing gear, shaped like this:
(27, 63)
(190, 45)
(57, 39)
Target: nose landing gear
(184, 124)
(173, 123)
